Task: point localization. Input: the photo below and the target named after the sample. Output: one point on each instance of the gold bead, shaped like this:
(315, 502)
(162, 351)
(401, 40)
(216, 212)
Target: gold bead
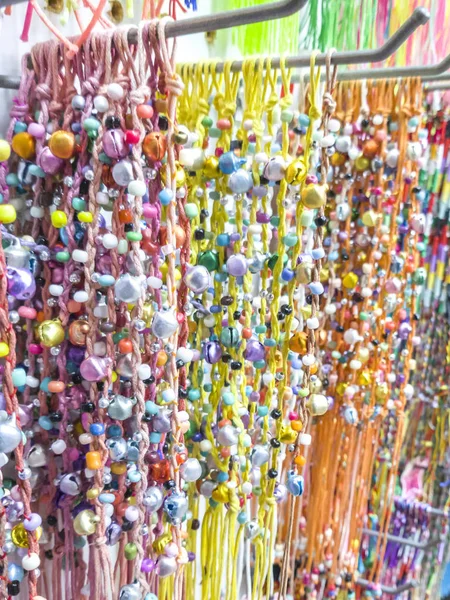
(295, 172)
(78, 331)
(62, 144)
(287, 435)
(154, 146)
(51, 333)
(161, 542)
(85, 523)
(314, 195)
(24, 145)
(19, 535)
(211, 167)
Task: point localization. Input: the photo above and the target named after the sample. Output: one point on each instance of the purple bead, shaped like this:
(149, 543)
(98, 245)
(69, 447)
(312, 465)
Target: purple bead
(262, 217)
(237, 265)
(48, 162)
(254, 351)
(254, 396)
(21, 283)
(113, 533)
(235, 237)
(33, 522)
(148, 565)
(260, 191)
(94, 368)
(191, 556)
(57, 275)
(404, 330)
(114, 144)
(212, 352)
(76, 354)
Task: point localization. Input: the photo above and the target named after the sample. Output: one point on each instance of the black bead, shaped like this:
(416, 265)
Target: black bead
(128, 226)
(339, 329)
(76, 379)
(87, 407)
(165, 448)
(236, 365)
(357, 297)
(275, 414)
(235, 145)
(180, 364)
(128, 493)
(365, 123)
(320, 221)
(147, 418)
(416, 190)
(204, 213)
(163, 123)
(344, 256)
(226, 357)
(199, 234)
(182, 393)
(109, 122)
(275, 443)
(272, 473)
(195, 524)
(56, 417)
(49, 554)
(286, 309)
(170, 484)
(226, 300)
(84, 187)
(127, 525)
(280, 315)
(14, 588)
(52, 520)
(236, 315)
(309, 299)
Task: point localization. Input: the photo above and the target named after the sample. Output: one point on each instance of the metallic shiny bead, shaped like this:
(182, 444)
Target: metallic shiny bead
(24, 145)
(62, 144)
(128, 288)
(197, 279)
(154, 146)
(164, 324)
(51, 333)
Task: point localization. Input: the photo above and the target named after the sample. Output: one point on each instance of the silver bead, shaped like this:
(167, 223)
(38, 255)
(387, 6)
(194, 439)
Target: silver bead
(128, 288)
(197, 279)
(164, 324)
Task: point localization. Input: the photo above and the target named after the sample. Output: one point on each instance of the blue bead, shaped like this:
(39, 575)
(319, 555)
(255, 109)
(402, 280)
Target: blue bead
(97, 428)
(220, 277)
(263, 411)
(76, 127)
(242, 518)
(36, 171)
(223, 239)
(165, 196)
(222, 477)
(155, 437)
(303, 120)
(287, 274)
(113, 431)
(19, 127)
(44, 384)
(316, 287)
(15, 572)
(198, 437)
(215, 309)
(134, 476)
(151, 408)
(106, 280)
(45, 423)
(106, 498)
(1, 198)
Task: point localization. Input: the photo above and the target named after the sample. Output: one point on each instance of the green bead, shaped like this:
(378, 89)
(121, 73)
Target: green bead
(214, 195)
(91, 124)
(134, 236)
(214, 132)
(290, 240)
(103, 158)
(286, 116)
(207, 122)
(260, 329)
(78, 203)
(251, 148)
(122, 247)
(207, 408)
(259, 364)
(191, 210)
(246, 222)
(130, 551)
(275, 221)
(62, 256)
(120, 335)
(270, 342)
(229, 337)
(209, 259)
(303, 392)
(208, 388)
(363, 316)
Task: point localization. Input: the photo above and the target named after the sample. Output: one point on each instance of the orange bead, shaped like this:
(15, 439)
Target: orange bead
(225, 452)
(125, 346)
(125, 216)
(246, 333)
(62, 144)
(78, 331)
(224, 422)
(73, 306)
(297, 425)
(24, 145)
(144, 111)
(93, 460)
(40, 317)
(300, 460)
(161, 359)
(370, 149)
(154, 146)
(56, 387)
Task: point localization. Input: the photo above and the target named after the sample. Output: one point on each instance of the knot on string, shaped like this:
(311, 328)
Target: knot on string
(43, 92)
(229, 110)
(90, 86)
(314, 113)
(174, 84)
(19, 111)
(270, 501)
(100, 541)
(258, 127)
(286, 101)
(140, 95)
(329, 103)
(271, 102)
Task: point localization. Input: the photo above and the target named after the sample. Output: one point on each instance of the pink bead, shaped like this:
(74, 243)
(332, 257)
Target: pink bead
(35, 348)
(57, 275)
(149, 211)
(27, 312)
(293, 416)
(223, 124)
(311, 179)
(36, 130)
(15, 493)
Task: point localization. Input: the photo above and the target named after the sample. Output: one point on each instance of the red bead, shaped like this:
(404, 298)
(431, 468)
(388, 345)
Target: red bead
(218, 152)
(131, 136)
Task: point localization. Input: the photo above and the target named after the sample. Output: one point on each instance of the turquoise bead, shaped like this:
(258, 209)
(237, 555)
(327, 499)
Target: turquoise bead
(78, 203)
(45, 423)
(263, 411)
(12, 180)
(290, 240)
(242, 518)
(106, 498)
(79, 542)
(303, 120)
(214, 132)
(260, 329)
(103, 158)
(194, 394)
(229, 337)
(165, 196)
(19, 377)
(44, 384)
(151, 408)
(270, 342)
(259, 364)
(19, 127)
(191, 210)
(222, 477)
(106, 280)
(228, 398)
(155, 437)
(91, 124)
(36, 171)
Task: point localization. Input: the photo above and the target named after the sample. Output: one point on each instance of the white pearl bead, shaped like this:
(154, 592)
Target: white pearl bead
(31, 561)
(55, 290)
(355, 364)
(100, 349)
(334, 125)
(330, 309)
(58, 446)
(247, 488)
(101, 104)
(80, 256)
(132, 513)
(308, 360)
(144, 372)
(115, 91)
(37, 212)
(110, 241)
(102, 198)
(312, 323)
(205, 446)
(81, 296)
(85, 438)
(353, 153)
(304, 439)
(154, 282)
(351, 336)
(377, 120)
(137, 188)
(327, 141)
(32, 382)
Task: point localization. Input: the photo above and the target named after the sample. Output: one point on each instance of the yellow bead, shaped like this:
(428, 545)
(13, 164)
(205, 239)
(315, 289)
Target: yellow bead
(93, 460)
(85, 522)
(295, 172)
(4, 349)
(59, 219)
(161, 542)
(92, 494)
(337, 159)
(314, 195)
(362, 163)
(287, 435)
(62, 144)
(113, 376)
(350, 281)
(51, 333)
(340, 388)
(298, 341)
(24, 145)
(118, 468)
(19, 535)
(211, 167)
(370, 218)
(7, 213)
(85, 216)
(5, 150)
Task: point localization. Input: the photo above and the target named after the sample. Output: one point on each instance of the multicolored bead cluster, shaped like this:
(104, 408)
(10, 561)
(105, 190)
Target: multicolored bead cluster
(208, 324)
